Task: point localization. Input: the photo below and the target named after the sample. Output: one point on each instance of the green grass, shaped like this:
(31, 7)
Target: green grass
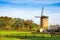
(18, 35)
(6, 38)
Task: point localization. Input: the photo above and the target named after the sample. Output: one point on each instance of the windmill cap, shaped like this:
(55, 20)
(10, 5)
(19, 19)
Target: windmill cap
(44, 16)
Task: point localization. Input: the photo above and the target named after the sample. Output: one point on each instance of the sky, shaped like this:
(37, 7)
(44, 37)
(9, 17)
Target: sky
(28, 9)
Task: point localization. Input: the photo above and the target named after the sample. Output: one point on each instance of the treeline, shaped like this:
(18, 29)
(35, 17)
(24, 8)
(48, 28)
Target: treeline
(9, 23)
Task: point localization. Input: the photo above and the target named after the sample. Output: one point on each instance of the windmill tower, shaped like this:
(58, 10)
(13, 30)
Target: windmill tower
(43, 21)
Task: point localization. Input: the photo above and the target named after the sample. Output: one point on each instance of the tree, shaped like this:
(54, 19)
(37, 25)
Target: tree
(35, 27)
(9, 23)
(27, 25)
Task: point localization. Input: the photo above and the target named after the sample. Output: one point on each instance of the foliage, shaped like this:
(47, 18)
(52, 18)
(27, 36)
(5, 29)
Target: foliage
(9, 23)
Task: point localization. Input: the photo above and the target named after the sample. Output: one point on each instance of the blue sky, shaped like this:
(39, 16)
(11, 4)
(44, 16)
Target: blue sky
(28, 9)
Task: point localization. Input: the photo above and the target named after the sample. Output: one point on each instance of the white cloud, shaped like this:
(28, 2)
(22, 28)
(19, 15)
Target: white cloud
(21, 13)
(29, 13)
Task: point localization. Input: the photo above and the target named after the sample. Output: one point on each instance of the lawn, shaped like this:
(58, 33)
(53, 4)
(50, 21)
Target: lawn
(18, 35)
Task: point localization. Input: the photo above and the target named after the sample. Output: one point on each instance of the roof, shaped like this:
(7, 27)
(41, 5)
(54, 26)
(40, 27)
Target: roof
(45, 16)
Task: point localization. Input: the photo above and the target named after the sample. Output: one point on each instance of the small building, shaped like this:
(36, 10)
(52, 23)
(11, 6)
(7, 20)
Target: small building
(44, 22)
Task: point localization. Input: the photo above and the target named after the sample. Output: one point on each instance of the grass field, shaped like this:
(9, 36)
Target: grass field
(17, 35)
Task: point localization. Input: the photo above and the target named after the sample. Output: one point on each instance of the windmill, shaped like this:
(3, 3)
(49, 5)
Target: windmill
(43, 21)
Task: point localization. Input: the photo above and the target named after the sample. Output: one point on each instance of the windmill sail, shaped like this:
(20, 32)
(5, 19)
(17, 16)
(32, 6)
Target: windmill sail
(42, 11)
